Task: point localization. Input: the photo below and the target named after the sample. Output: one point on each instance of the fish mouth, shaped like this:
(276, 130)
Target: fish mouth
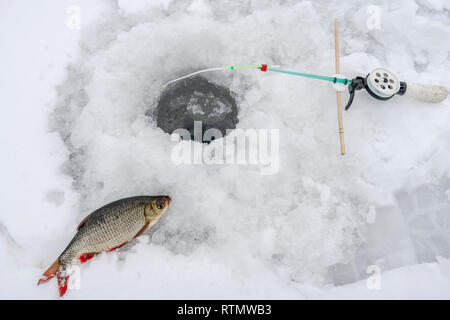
(168, 200)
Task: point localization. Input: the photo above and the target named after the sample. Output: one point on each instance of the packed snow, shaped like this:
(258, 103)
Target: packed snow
(76, 135)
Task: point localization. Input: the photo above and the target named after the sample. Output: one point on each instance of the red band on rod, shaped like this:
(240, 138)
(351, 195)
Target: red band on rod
(264, 67)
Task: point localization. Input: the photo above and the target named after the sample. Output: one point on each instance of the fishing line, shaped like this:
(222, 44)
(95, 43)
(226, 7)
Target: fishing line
(192, 74)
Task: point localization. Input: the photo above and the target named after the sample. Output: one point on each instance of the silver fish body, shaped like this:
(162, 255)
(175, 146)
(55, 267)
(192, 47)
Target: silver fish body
(107, 228)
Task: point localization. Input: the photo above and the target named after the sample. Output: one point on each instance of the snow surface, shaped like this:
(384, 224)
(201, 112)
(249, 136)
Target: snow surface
(310, 231)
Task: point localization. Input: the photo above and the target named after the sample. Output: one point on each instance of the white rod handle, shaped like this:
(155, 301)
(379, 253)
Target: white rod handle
(426, 92)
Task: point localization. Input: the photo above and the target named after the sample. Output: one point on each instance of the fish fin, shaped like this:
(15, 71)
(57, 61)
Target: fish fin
(62, 284)
(144, 228)
(50, 273)
(112, 249)
(86, 257)
(83, 222)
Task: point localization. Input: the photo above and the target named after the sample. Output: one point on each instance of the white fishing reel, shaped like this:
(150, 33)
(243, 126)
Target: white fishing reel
(383, 84)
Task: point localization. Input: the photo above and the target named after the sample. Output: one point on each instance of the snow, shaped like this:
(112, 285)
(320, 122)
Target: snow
(311, 230)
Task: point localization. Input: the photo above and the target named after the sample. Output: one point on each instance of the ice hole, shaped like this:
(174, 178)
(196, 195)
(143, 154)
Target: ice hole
(196, 99)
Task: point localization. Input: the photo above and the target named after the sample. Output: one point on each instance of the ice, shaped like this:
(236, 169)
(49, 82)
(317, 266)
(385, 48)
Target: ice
(195, 108)
(311, 230)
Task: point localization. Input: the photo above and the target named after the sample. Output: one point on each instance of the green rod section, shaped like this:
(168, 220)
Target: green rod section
(312, 76)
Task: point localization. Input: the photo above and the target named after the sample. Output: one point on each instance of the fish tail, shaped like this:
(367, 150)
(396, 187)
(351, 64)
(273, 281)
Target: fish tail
(62, 284)
(55, 270)
(50, 273)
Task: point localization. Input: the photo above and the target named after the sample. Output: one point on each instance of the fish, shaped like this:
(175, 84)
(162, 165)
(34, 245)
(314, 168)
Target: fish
(106, 229)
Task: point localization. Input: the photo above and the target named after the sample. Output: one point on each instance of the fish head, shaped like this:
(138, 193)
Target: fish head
(157, 206)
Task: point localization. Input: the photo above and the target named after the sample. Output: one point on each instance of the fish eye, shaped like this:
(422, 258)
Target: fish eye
(160, 206)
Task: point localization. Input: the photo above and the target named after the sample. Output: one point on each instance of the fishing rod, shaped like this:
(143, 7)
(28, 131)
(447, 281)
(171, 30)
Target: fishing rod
(381, 83)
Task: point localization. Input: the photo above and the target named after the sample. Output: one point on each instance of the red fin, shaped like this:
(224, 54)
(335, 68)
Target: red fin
(62, 284)
(83, 222)
(144, 228)
(50, 273)
(86, 257)
(112, 249)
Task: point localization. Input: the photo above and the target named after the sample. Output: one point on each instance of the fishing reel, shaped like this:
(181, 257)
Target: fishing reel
(383, 84)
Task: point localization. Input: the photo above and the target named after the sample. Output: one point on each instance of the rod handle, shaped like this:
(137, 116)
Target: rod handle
(426, 92)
